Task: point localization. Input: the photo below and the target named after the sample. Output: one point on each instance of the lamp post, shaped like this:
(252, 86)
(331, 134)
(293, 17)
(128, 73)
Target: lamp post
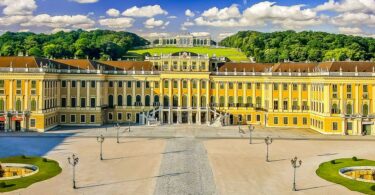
(268, 141)
(251, 129)
(73, 161)
(100, 139)
(129, 126)
(295, 164)
(118, 132)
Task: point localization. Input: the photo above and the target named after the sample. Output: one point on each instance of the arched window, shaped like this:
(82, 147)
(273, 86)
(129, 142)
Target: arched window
(147, 100)
(365, 110)
(166, 101)
(194, 101)
(334, 109)
(138, 101)
(119, 100)
(18, 105)
(222, 101)
(33, 105)
(2, 105)
(110, 101)
(213, 100)
(156, 100)
(349, 109)
(175, 101)
(184, 101)
(129, 100)
(203, 101)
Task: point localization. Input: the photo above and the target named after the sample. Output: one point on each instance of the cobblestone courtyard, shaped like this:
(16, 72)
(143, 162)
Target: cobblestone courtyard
(186, 160)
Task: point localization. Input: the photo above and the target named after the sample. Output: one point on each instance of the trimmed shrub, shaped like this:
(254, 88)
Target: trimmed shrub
(3, 184)
(333, 162)
(354, 158)
(45, 160)
(23, 156)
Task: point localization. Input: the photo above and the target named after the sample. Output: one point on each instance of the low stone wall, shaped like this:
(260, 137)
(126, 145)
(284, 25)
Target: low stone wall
(357, 168)
(10, 166)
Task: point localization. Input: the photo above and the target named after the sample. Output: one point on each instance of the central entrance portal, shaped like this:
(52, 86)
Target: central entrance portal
(18, 125)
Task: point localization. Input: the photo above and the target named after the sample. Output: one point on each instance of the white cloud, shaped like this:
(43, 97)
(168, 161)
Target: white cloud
(348, 6)
(222, 14)
(222, 36)
(172, 17)
(18, 7)
(85, 1)
(289, 17)
(10, 20)
(146, 11)
(156, 34)
(117, 23)
(350, 30)
(65, 21)
(189, 13)
(152, 23)
(113, 12)
(354, 19)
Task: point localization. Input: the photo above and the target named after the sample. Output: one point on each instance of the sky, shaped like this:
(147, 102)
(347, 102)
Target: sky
(219, 18)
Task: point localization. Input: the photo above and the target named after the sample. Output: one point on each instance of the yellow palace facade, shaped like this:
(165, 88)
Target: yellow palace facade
(39, 94)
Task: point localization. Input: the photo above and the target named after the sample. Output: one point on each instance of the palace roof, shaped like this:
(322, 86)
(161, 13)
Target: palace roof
(247, 67)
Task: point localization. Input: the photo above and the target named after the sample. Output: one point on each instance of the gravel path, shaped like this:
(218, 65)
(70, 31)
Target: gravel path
(185, 169)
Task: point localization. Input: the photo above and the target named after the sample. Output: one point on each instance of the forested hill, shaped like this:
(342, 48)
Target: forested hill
(302, 46)
(96, 44)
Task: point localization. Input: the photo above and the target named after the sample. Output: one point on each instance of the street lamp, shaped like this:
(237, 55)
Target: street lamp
(73, 161)
(268, 141)
(118, 132)
(295, 164)
(100, 139)
(251, 129)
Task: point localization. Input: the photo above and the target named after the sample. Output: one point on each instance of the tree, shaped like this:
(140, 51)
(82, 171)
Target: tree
(2, 171)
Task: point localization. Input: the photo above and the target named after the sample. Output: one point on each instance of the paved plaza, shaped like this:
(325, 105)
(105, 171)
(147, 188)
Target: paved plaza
(185, 160)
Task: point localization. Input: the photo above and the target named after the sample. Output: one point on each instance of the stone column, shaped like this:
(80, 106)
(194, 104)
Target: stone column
(98, 93)
(179, 93)
(26, 103)
(356, 101)
(134, 98)
(115, 99)
(235, 86)
(170, 101)
(326, 98)
(88, 102)
(217, 99)
(58, 94)
(226, 94)
(342, 98)
(78, 101)
(300, 96)
(290, 101)
(143, 93)
(161, 98)
(152, 88)
(254, 94)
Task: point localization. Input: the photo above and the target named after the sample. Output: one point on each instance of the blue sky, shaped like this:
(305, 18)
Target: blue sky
(219, 18)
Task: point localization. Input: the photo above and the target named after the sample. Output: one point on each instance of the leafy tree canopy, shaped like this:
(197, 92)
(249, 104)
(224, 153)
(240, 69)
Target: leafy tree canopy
(301, 46)
(98, 44)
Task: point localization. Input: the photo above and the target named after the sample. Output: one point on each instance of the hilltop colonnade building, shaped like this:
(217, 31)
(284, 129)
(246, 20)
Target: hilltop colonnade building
(38, 94)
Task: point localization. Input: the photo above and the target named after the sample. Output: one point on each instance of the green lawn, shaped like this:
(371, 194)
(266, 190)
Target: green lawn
(330, 172)
(231, 53)
(47, 170)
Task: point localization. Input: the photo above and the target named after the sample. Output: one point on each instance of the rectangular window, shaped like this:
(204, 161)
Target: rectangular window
(74, 84)
(19, 84)
(63, 118)
(239, 85)
(83, 102)
(365, 88)
(304, 121)
(230, 85)
(1, 83)
(258, 117)
(32, 122)
(147, 84)
(175, 84)
(72, 118)
(295, 120)
(129, 84)
(83, 118)
(285, 105)
(128, 116)
(304, 87)
(258, 85)
(63, 102)
(349, 126)
(212, 85)
(119, 84)
(294, 87)
(138, 84)
(166, 83)
(119, 116)
(275, 86)
(204, 85)
(285, 120)
(73, 102)
(92, 118)
(221, 85)
(156, 84)
(275, 120)
(248, 117)
(275, 105)
(285, 86)
(92, 103)
(110, 116)
(33, 84)
(334, 126)
(110, 83)
(248, 85)
(63, 83)
(83, 84)
(93, 84)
